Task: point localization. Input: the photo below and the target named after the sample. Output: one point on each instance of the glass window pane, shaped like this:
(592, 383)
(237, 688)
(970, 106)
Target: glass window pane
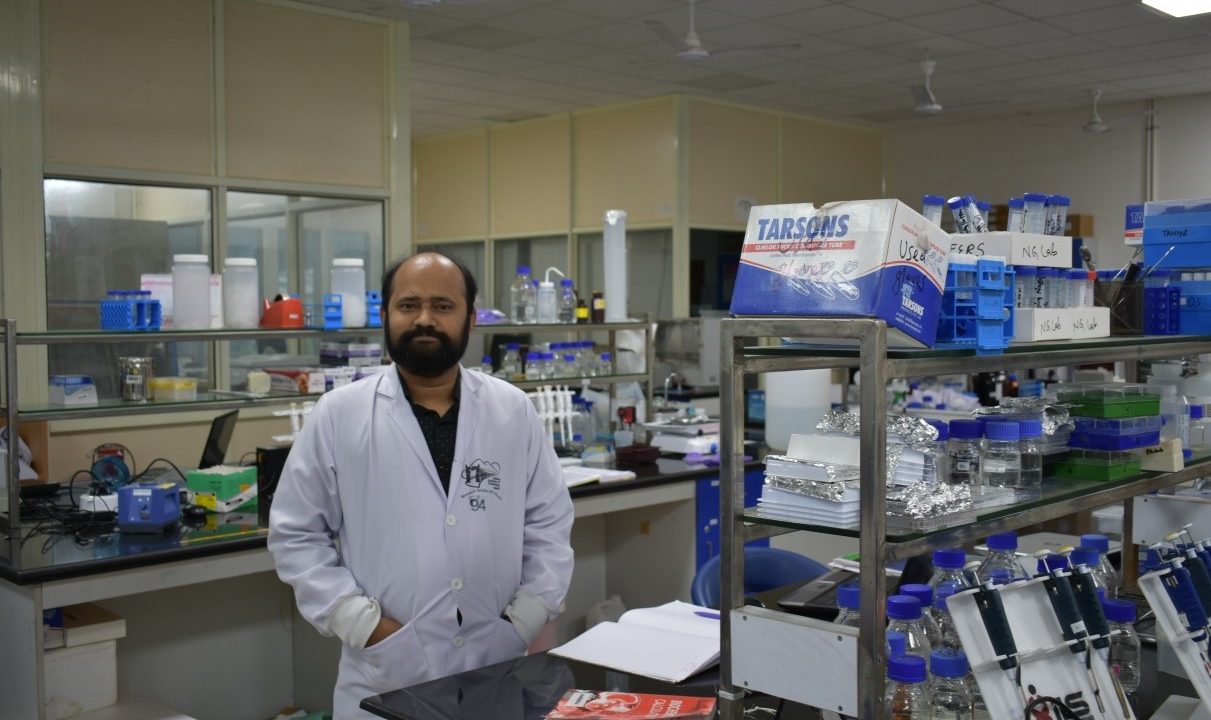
(294, 240)
(536, 253)
(649, 271)
(106, 236)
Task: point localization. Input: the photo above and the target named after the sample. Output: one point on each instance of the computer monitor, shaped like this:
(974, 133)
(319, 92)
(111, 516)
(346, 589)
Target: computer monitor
(221, 429)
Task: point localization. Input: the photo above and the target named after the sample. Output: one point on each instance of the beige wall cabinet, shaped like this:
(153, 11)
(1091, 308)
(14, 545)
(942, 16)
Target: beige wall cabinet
(452, 187)
(733, 163)
(531, 171)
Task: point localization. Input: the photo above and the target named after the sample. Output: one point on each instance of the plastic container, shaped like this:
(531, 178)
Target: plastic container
(1175, 415)
(1000, 455)
(794, 403)
(1034, 213)
(1115, 434)
(548, 304)
(964, 452)
(1124, 643)
(241, 293)
(1032, 448)
(907, 696)
(931, 208)
(946, 624)
(1200, 428)
(522, 297)
(566, 310)
(949, 692)
(1024, 286)
(1113, 400)
(847, 605)
(190, 292)
(1057, 214)
(1101, 544)
(614, 250)
(1103, 465)
(924, 594)
(985, 209)
(1076, 288)
(1001, 565)
(348, 278)
(173, 389)
(1017, 215)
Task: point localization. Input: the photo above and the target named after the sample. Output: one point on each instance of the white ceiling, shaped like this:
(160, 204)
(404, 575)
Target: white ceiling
(477, 62)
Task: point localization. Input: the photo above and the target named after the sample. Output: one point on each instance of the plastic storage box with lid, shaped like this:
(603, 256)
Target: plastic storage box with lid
(868, 258)
(1115, 434)
(1113, 400)
(173, 388)
(1194, 313)
(1184, 225)
(1084, 464)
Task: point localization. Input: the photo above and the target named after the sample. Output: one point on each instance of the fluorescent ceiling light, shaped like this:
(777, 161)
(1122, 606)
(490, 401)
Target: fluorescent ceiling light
(1180, 8)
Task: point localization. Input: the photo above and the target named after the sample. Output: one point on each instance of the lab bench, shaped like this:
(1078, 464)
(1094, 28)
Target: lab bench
(212, 632)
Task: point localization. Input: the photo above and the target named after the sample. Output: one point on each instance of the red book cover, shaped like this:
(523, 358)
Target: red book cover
(610, 705)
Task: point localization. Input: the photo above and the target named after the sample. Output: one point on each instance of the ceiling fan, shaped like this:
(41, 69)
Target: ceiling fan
(689, 47)
(1097, 125)
(927, 103)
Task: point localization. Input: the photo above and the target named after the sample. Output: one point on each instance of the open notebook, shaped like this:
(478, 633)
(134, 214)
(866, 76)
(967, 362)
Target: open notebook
(574, 475)
(670, 642)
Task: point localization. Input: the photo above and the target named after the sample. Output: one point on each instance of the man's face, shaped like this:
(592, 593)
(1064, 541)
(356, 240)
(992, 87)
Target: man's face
(426, 325)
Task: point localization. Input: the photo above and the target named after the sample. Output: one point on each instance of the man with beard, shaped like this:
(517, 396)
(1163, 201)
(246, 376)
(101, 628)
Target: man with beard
(447, 500)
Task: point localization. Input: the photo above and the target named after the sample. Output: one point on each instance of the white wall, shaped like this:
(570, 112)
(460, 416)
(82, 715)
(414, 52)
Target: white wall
(1183, 147)
(999, 158)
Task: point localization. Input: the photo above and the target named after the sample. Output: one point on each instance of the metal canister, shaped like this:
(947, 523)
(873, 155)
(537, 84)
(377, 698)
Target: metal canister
(135, 374)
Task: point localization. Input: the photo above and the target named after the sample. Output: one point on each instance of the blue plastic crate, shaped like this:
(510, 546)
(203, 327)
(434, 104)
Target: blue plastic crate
(1162, 311)
(374, 308)
(130, 311)
(332, 311)
(1195, 314)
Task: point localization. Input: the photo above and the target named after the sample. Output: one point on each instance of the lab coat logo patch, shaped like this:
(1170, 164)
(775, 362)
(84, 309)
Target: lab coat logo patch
(482, 479)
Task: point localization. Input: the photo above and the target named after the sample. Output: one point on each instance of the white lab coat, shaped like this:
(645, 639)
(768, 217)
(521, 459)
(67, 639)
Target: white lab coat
(362, 472)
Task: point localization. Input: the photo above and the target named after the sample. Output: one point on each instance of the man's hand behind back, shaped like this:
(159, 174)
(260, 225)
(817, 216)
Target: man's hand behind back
(386, 626)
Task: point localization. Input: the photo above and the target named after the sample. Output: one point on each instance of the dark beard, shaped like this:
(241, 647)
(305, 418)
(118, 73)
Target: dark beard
(426, 361)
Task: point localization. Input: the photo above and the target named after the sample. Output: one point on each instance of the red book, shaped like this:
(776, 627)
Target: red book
(611, 705)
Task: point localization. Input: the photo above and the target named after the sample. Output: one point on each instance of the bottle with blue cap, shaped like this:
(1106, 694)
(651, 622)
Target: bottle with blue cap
(1001, 566)
(1101, 544)
(1088, 557)
(963, 449)
(947, 633)
(1031, 450)
(929, 621)
(510, 364)
(966, 215)
(1052, 562)
(950, 693)
(485, 365)
(907, 697)
(1124, 643)
(904, 615)
(948, 569)
(533, 366)
(937, 466)
(1000, 456)
(848, 596)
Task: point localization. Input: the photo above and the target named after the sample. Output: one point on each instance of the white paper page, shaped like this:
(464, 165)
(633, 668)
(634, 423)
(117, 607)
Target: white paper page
(580, 475)
(659, 654)
(677, 617)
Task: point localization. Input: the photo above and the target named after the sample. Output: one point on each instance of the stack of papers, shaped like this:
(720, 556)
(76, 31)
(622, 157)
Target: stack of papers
(786, 505)
(582, 475)
(670, 642)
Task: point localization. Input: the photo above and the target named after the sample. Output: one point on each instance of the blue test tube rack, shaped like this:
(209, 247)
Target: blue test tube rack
(130, 311)
(374, 308)
(332, 311)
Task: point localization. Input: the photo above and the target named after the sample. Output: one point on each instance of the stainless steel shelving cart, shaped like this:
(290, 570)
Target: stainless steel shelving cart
(16, 412)
(877, 364)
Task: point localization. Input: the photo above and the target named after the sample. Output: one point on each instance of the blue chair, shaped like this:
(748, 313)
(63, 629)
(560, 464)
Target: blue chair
(765, 568)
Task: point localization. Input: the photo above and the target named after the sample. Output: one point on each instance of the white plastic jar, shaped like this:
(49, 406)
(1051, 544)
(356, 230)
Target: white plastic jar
(190, 292)
(241, 293)
(348, 278)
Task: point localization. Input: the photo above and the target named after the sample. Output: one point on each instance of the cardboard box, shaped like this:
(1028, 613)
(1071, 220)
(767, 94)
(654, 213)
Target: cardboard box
(224, 488)
(303, 381)
(1089, 322)
(866, 258)
(72, 390)
(1035, 324)
(1185, 226)
(80, 679)
(1079, 226)
(1016, 248)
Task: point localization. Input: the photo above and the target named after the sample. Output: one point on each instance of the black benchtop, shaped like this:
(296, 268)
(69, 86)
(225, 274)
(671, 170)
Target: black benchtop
(44, 556)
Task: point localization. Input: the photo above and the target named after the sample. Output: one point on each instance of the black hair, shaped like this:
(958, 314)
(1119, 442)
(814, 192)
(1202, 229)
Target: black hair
(468, 279)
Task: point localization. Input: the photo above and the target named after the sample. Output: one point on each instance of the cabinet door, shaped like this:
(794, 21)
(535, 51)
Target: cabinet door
(707, 539)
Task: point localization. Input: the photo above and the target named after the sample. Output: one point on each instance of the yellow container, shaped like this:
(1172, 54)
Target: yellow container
(174, 388)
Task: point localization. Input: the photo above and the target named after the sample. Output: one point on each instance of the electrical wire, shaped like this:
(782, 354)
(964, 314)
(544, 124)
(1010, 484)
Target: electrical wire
(250, 452)
(166, 461)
